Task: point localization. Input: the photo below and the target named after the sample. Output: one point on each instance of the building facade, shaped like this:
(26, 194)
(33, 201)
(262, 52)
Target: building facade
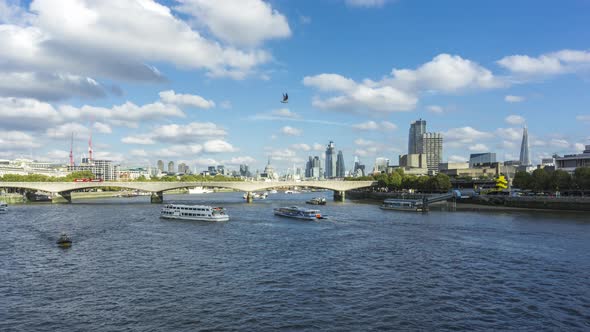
(171, 167)
(482, 158)
(161, 166)
(569, 163)
(330, 169)
(340, 169)
(101, 169)
(417, 129)
(432, 147)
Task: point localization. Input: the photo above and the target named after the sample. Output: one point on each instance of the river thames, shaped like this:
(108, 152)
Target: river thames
(361, 269)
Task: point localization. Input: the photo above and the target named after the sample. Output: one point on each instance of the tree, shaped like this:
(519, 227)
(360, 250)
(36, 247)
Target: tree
(560, 180)
(394, 181)
(541, 179)
(439, 182)
(523, 180)
(582, 178)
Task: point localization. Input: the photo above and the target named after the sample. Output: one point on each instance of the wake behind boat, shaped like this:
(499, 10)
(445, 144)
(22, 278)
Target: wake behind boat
(194, 212)
(298, 213)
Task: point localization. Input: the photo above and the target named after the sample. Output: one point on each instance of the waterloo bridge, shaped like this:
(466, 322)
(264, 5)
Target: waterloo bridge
(61, 191)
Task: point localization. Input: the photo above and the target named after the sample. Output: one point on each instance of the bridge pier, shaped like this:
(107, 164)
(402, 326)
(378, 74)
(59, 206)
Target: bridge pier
(157, 197)
(249, 197)
(61, 197)
(339, 196)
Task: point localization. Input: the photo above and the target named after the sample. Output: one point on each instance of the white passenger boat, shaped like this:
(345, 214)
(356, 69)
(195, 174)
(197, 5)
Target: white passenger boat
(256, 195)
(3, 207)
(199, 190)
(298, 213)
(194, 212)
(273, 191)
(401, 205)
(292, 192)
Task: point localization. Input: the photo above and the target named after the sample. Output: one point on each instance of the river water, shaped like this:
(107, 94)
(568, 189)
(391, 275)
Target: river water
(362, 269)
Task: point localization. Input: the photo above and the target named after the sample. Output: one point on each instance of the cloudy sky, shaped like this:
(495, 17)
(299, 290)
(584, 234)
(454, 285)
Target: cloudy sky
(200, 81)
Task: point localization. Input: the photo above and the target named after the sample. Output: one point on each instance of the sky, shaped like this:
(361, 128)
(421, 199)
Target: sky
(201, 81)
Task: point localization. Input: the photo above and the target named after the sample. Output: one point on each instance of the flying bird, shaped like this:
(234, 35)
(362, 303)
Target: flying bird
(285, 98)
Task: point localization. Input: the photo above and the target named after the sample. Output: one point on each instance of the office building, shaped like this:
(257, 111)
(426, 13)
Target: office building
(569, 163)
(381, 165)
(417, 129)
(330, 170)
(340, 170)
(245, 171)
(432, 147)
(525, 157)
(161, 166)
(358, 169)
(101, 169)
(171, 167)
(482, 159)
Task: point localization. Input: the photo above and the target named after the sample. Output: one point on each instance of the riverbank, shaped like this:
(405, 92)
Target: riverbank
(488, 202)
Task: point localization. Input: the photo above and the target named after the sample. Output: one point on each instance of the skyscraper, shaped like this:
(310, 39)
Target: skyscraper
(161, 166)
(340, 170)
(525, 157)
(417, 129)
(359, 169)
(171, 167)
(432, 147)
(330, 170)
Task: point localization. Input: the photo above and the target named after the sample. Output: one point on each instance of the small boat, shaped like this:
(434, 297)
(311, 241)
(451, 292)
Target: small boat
(194, 212)
(199, 190)
(273, 191)
(292, 192)
(64, 241)
(3, 207)
(298, 213)
(256, 195)
(317, 201)
(401, 205)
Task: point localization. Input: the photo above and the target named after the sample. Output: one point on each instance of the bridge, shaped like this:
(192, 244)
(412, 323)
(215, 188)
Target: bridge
(157, 189)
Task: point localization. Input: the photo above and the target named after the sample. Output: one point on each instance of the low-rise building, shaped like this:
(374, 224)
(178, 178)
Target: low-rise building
(569, 163)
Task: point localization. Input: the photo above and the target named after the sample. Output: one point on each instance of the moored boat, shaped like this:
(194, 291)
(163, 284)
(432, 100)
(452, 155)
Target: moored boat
(194, 212)
(298, 213)
(3, 207)
(64, 241)
(317, 201)
(401, 205)
(199, 190)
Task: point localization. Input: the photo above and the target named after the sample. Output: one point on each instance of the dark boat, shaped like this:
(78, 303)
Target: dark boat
(64, 241)
(317, 201)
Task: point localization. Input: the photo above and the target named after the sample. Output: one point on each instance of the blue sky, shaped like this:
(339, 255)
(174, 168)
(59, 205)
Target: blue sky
(200, 81)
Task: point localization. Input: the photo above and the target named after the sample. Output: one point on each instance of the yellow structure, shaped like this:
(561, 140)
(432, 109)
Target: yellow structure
(501, 183)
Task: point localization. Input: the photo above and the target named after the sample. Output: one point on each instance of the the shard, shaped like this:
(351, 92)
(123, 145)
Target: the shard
(525, 157)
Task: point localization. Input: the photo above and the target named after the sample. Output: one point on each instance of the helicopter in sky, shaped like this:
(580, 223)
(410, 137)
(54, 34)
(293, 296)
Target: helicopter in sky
(285, 98)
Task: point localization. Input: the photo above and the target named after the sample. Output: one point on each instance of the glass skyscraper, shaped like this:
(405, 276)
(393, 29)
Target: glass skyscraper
(417, 129)
(330, 170)
(340, 170)
(525, 157)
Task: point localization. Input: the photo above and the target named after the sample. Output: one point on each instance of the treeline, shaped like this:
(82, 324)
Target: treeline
(397, 180)
(88, 175)
(542, 180)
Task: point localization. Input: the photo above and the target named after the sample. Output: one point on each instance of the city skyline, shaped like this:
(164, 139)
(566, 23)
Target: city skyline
(223, 106)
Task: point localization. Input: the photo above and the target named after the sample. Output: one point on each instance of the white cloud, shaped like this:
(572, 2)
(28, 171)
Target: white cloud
(435, 109)
(465, 135)
(514, 120)
(65, 131)
(284, 112)
(170, 97)
(579, 147)
(64, 45)
(102, 128)
(584, 118)
(290, 131)
(25, 113)
(457, 159)
(301, 146)
(139, 153)
(364, 142)
(372, 125)
(478, 148)
(559, 143)
(514, 99)
(561, 62)
(226, 104)
(318, 147)
(218, 146)
(512, 134)
(241, 22)
(138, 140)
(12, 140)
(247, 160)
(445, 73)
